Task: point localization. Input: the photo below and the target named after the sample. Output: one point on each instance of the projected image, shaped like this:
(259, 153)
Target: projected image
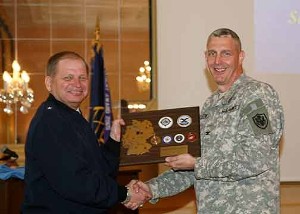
(277, 36)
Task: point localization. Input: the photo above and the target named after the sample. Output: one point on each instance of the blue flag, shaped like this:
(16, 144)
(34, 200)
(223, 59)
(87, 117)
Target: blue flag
(100, 116)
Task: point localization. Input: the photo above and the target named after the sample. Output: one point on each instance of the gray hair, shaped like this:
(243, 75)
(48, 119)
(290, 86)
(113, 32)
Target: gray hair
(225, 32)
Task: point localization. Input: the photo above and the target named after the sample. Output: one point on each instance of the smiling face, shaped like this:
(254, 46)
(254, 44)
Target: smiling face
(224, 60)
(70, 82)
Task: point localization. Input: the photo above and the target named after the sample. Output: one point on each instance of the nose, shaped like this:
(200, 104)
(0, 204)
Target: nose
(217, 58)
(77, 82)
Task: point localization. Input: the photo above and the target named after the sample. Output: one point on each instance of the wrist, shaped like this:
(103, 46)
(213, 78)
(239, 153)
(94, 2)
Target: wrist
(128, 196)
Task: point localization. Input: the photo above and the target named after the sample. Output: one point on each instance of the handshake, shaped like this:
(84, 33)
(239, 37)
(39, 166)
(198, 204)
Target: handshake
(138, 194)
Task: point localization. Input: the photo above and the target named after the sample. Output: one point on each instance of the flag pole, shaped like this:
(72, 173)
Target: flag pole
(97, 34)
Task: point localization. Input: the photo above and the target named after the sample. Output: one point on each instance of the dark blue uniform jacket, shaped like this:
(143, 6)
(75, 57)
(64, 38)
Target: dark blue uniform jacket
(66, 171)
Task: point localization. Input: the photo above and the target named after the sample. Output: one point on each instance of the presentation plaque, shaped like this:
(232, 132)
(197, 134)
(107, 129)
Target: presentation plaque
(151, 136)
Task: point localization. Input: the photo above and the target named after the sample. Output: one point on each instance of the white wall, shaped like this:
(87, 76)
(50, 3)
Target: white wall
(182, 30)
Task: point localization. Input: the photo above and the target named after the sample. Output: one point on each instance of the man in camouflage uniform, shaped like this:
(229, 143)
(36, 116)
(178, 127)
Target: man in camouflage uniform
(241, 126)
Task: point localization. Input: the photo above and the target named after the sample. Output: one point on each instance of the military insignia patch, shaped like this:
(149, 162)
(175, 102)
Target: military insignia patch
(258, 117)
(260, 120)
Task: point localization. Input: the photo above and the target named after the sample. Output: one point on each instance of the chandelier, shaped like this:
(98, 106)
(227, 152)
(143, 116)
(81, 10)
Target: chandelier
(15, 87)
(144, 77)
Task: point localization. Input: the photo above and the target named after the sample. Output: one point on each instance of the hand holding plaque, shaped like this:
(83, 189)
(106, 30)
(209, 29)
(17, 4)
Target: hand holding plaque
(149, 137)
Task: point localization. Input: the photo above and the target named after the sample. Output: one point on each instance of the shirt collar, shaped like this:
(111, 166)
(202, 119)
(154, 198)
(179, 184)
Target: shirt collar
(232, 90)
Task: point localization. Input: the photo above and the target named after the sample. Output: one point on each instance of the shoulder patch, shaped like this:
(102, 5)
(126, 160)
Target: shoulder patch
(260, 120)
(258, 117)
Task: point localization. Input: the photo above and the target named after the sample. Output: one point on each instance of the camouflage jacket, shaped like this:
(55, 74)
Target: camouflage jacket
(238, 171)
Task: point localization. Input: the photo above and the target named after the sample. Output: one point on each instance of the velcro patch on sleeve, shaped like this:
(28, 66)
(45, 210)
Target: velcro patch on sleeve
(258, 117)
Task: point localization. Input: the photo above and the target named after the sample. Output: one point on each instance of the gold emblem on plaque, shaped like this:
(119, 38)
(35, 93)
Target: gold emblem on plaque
(155, 140)
(136, 137)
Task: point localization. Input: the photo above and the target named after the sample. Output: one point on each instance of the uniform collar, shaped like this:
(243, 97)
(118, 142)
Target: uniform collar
(51, 98)
(228, 95)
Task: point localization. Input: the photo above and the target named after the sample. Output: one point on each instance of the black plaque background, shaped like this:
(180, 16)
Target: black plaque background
(153, 156)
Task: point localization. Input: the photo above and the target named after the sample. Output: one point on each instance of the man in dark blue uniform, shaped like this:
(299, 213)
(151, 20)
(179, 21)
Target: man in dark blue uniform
(66, 170)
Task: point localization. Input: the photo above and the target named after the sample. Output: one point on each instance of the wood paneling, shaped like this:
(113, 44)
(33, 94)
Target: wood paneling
(290, 197)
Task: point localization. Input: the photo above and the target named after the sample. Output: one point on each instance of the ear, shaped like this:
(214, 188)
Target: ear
(241, 57)
(48, 81)
(205, 54)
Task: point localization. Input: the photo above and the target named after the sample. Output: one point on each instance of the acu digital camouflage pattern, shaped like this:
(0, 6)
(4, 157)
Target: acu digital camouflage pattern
(238, 171)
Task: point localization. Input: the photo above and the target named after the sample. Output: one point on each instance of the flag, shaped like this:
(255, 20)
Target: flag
(100, 116)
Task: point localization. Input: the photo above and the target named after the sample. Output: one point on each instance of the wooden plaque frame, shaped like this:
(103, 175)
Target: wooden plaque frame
(151, 136)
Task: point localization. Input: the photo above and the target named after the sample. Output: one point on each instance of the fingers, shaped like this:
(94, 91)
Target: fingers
(120, 121)
(115, 132)
(137, 200)
(133, 184)
(171, 159)
(183, 161)
(132, 206)
(140, 194)
(145, 189)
